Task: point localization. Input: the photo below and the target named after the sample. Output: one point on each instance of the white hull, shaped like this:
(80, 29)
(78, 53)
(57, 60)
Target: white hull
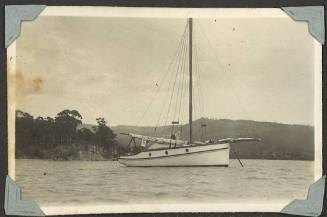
(201, 155)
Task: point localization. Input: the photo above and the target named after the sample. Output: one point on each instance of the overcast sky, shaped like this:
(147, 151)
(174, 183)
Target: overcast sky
(257, 69)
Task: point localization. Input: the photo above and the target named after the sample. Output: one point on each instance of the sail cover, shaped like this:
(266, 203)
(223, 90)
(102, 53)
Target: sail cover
(159, 140)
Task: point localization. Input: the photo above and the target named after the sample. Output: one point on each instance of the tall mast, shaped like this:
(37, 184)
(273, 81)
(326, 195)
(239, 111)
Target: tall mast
(190, 23)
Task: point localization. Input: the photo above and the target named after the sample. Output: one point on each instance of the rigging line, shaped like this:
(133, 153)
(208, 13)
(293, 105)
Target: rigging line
(177, 94)
(173, 84)
(184, 98)
(175, 79)
(177, 53)
(178, 86)
(172, 93)
(184, 92)
(171, 63)
(158, 88)
(200, 93)
(152, 99)
(196, 76)
(181, 74)
(196, 107)
(200, 86)
(160, 82)
(197, 97)
(166, 98)
(232, 87)
(183, 89)
(183, 83)
(230, 83)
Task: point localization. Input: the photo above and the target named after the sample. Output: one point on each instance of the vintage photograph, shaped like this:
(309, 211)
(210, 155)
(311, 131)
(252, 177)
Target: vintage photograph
(166, 113)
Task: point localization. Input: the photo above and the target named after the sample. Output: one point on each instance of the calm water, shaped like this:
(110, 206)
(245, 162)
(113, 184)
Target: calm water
(63, 182)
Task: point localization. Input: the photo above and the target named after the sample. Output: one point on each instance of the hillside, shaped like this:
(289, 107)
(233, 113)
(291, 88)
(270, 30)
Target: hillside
(279, 141)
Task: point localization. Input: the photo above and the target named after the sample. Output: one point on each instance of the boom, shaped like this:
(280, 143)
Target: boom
(159, 140)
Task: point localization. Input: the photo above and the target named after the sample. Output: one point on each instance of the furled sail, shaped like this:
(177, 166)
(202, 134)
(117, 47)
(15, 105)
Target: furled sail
(159, 140)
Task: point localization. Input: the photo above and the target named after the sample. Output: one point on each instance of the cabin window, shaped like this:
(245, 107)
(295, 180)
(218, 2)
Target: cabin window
(186, 150)
(149, 154)
(166, 152)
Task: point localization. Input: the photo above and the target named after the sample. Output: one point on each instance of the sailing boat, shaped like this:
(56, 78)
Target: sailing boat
(159, 151)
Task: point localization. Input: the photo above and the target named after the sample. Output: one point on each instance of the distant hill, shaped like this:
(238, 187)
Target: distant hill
(279, 141)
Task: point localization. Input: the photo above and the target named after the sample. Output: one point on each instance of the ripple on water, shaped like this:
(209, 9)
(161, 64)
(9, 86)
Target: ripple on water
(106, 181)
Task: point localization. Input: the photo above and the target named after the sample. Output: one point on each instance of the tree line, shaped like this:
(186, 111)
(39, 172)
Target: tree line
(59, 138)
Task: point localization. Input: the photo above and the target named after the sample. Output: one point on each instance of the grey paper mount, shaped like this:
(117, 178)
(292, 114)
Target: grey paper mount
(313, 15)
(313, 205)
(15, 206)
(14, 15)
